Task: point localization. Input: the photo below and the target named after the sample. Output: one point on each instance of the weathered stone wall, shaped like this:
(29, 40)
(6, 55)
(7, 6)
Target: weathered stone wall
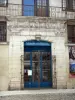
(4, 70)
(14, 8)
(20, 30)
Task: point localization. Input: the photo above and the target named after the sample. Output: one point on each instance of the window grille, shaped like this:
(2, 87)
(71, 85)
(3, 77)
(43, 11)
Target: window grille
(3, 33)
(71, 33)
(68, 5)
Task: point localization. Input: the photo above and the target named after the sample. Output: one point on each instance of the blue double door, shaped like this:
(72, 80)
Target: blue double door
(37, 67)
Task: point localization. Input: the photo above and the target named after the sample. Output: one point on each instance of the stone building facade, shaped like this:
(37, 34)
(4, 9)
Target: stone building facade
(52, 29)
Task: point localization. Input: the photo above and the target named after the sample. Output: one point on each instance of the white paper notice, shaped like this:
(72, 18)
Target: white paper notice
(29, 72)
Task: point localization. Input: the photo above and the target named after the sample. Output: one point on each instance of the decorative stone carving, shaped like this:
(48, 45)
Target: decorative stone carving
(37, 25)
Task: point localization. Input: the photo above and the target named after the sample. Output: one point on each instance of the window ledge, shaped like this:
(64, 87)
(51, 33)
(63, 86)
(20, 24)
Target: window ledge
(4, 43)
(70, 44)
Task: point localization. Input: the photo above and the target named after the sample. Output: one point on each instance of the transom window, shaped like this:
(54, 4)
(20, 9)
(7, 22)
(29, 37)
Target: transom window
(3, 33)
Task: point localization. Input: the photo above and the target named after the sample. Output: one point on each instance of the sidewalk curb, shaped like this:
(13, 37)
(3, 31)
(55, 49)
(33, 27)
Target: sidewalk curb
(35, 92)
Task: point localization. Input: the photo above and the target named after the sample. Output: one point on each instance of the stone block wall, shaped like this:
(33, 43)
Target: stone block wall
(27, 28)
(4, 68)
(24, 29)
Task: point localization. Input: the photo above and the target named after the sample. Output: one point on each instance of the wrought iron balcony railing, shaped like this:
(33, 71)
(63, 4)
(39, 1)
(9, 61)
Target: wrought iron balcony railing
(40, 11)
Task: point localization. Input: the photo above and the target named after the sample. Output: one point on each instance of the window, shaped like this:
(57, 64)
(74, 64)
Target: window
(69, 5)
(3, 2)
(36, 8)
(41, 8)
(71, 33)
(3, 34)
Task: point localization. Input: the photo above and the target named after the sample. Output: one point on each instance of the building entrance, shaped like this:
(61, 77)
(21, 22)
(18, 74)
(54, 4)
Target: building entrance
(37, 65)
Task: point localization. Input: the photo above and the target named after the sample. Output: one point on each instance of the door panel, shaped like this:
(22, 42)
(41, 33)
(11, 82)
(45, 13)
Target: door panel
(45, 66)
(38, 62)
(27, 69)
(45, 70)
(35, 66)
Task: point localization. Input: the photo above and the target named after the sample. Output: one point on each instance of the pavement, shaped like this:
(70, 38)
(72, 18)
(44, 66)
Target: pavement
(41, 94)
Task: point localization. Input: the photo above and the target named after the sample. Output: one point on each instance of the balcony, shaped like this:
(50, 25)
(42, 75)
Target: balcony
(16, 10)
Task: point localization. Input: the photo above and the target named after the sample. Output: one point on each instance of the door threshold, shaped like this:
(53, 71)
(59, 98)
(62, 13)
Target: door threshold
(37, 88)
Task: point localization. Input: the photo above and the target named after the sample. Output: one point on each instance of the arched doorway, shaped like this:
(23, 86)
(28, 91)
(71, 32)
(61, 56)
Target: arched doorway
(37, 64)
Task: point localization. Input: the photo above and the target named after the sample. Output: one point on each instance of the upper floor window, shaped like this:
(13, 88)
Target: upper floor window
(3, 2)
(36, 8)
(71, 33)
(69, 5)
(3, 32)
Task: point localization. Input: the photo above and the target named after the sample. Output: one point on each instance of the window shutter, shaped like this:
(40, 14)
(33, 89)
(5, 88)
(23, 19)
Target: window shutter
(28, 7)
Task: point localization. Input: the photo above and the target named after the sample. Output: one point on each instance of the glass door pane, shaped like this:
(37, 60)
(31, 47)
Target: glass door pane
(27, 67)
(36, 67)
(45, 66)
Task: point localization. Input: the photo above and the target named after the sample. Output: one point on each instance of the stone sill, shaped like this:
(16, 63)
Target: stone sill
(4, 43)
(70, 44)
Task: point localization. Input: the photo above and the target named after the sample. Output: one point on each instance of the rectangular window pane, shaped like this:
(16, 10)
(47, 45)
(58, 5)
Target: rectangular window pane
(39, 2)
(46, 66)
(3, 2)
(27, 72)
(44, 3)
(45, 56)
(71, 33)
(35, 66)
(27, 67)
(42, 8)
(27, 56)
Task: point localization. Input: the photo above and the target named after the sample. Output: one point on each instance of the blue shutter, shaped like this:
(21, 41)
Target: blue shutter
(28, 7)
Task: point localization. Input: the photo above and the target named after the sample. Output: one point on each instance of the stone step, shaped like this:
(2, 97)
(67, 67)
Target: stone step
(41, 94)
